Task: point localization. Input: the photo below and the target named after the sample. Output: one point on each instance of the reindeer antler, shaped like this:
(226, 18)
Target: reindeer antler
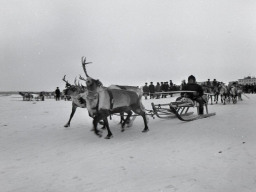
(64, 79)
(75, 82)
(81, 78)
(83, 64)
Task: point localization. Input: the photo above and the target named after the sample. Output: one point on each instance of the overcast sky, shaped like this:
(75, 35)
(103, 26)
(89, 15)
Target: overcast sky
(130, 42)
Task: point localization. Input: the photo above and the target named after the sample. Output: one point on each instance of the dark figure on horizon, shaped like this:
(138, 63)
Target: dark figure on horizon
(151, 90)
(145, 90)
(57, 94)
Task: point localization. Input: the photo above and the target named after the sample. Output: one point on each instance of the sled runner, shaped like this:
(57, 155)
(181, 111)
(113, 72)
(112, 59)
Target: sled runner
(180, 110)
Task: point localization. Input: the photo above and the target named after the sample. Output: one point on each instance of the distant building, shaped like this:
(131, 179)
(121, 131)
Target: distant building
(247, 80)
(231, 82)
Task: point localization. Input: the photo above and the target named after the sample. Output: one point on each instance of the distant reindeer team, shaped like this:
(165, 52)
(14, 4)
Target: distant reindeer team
(102, 102)
(230, 93)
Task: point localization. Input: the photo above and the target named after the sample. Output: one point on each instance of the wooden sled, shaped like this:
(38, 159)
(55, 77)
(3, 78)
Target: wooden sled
(179, 110)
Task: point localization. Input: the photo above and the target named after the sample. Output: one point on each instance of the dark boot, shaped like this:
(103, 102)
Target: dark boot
(201, 110)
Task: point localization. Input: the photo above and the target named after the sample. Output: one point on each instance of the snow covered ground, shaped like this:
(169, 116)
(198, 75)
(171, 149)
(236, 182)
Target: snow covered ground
(37, 154)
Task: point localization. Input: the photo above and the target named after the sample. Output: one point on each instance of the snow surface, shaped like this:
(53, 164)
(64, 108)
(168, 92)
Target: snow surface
(37, 154)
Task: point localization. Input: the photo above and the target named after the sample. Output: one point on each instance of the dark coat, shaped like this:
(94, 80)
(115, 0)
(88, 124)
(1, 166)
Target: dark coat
(158, 88)
(193, 87)
(214, 83)
(57, 92)
(145, 89)
(151, 88)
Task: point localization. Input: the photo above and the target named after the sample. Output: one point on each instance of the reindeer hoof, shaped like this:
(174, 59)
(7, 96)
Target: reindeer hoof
(108, 136)
(145, 130)
(98, 133)
(66, 125)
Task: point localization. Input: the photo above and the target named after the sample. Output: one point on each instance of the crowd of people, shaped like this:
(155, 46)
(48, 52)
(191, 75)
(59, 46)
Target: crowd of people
(249, 88)
(159, 90)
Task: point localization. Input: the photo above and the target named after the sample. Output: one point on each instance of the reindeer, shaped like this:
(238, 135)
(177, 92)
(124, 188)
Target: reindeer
(239, 92)
(224, 94)
(233, 93)
(26, 96)
(135, 89)
(102, 102)
(76, 93)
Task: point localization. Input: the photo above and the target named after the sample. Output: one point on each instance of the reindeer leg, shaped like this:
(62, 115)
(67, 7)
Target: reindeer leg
(109, 135)
(145, 122)
(126, 120)
(143, 114)
(121, 118)
(216, 98)
(95, 123)
(71, 115)
(104, 125)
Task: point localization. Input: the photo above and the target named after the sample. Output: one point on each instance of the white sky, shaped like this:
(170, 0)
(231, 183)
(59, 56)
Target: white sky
(130, 42)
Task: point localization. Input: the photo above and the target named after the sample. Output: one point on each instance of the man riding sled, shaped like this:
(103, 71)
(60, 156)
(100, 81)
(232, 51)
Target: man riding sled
(197, 95)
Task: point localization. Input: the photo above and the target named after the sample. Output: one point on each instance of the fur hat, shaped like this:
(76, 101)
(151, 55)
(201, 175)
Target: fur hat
(192, 77)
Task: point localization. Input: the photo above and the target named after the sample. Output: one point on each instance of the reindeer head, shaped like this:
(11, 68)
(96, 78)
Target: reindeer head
(73, 90)
(92, 84)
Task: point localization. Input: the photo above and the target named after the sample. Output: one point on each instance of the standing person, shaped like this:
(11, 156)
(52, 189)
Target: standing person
(41, 96)
(197, 96)
(183, 83)
(171, 87)
(57, 94)
(171, 83)
(208, 83)
(215, 86)
(166, 88)
(158, 89)
(151, 90)
(145, 90)
(214, 83)
(162, 88)
(208, 86)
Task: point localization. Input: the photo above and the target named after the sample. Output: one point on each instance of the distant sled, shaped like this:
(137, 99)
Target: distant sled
(27, 96)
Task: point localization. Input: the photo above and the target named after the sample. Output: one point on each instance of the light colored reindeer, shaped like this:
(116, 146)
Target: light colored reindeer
(102, 102)
(76, 92)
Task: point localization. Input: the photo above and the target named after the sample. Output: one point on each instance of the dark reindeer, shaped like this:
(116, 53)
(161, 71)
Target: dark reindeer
(102, 102)
(26, 96)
